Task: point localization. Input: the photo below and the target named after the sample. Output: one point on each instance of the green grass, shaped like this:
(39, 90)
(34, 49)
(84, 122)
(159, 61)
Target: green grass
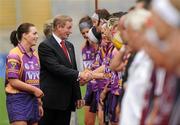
(80, 112)
(3, 112)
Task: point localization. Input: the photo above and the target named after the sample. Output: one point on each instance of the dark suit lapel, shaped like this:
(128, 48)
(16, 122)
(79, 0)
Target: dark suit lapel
(59, 49)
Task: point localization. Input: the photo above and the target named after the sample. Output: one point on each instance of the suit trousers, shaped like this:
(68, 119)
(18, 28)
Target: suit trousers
(55, 117)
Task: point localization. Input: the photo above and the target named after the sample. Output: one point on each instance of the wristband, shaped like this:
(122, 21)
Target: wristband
(123, 48)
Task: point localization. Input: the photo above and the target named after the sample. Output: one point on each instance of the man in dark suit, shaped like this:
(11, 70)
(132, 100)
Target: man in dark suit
(59, 75)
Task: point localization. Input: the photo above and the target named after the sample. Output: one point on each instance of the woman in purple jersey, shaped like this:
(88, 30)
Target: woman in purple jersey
(23, 100)
(110, 88)
(88, 55)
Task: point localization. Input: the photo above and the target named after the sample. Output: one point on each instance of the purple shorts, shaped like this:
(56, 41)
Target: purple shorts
(22, 107)
(91, 100)
(113, 102)
(88, 94)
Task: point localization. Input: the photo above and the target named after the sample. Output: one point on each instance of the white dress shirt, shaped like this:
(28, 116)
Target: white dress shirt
(59, 42)
(138, 81)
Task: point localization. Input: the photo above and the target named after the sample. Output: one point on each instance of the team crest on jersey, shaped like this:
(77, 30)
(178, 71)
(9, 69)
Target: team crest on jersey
(32, 66)
(13, 65)
(26, 65)
(84, 56)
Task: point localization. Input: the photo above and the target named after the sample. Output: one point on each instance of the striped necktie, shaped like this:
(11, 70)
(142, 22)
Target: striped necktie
(65, 50)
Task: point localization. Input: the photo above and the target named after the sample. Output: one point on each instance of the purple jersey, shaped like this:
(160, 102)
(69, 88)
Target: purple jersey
(106, 61)
(19, 65)
(88, 55)
(114, 78)
(96, 64)
(116, 83)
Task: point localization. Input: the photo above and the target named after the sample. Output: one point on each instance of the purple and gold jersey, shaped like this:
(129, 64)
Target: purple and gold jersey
(19, 65)
(116, 84)
(96, 64)
(88, 56)
(106, 61)
(113, 78)
(98, 59)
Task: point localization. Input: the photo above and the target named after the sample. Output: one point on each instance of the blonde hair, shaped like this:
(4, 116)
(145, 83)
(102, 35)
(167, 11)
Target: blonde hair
(112, 22)
(176, 3)
(48, 28)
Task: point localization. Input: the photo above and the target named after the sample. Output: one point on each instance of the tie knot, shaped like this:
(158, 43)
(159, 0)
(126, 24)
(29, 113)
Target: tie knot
(63, 42)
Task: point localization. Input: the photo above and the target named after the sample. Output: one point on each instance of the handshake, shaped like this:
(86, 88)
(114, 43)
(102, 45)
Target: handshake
(85, 76)
(88, 75)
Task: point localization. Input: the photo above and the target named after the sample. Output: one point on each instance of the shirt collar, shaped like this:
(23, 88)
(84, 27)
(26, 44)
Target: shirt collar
(57, 38)
(22, 49)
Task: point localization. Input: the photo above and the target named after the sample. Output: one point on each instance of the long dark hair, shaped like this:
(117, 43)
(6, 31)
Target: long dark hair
(16, 35)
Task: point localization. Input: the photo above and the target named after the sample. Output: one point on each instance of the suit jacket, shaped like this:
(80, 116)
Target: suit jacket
(58, 77)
